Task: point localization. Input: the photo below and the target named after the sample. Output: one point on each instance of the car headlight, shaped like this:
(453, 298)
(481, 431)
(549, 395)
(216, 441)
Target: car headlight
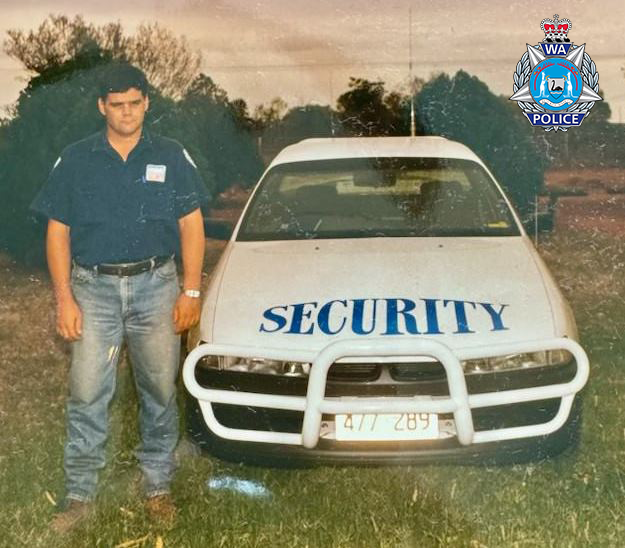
(525, 360)
(507, 362)
(256, 365)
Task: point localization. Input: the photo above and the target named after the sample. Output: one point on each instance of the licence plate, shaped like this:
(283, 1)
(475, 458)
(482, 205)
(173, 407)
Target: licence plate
(386, 427)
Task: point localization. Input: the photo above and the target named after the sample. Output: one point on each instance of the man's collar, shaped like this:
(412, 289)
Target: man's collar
(101, 141)
(146, 138)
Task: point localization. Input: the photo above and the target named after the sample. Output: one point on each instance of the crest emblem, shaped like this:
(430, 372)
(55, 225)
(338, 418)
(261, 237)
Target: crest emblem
(556, 83)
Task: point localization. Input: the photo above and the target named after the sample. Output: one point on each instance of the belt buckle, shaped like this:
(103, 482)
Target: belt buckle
(130, 269)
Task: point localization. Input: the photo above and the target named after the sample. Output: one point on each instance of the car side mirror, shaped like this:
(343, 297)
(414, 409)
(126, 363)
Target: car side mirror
(218, 229)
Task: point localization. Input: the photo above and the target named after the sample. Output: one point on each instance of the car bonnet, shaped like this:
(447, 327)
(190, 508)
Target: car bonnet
(305, 294)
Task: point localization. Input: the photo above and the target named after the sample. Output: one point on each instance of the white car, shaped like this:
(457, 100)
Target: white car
(379, 300)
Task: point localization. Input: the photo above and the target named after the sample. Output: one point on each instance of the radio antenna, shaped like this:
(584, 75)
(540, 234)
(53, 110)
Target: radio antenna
(413, 128)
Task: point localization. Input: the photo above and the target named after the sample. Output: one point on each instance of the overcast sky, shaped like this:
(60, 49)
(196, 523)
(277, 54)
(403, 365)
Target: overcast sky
(305, 52)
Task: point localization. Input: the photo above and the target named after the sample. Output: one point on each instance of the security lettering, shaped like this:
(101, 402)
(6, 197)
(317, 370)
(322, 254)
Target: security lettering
(383, 316)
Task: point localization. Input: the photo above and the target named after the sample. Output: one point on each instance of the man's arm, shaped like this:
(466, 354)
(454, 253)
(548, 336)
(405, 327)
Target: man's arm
(68, 314)
(187, 309)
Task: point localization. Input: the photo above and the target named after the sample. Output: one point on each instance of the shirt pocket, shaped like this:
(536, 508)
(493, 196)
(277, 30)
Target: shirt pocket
(155, 202)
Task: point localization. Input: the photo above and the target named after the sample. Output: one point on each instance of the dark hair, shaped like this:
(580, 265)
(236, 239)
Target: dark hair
(120, 77)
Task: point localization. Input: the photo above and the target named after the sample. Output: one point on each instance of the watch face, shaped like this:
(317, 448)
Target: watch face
(192, 293)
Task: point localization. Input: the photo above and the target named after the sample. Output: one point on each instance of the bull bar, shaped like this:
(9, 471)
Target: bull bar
(315, 404)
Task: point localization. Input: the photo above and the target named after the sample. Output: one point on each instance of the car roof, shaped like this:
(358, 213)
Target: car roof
(372, 147)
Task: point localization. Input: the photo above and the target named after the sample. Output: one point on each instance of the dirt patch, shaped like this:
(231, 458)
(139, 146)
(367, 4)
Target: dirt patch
(27, 333)
(589, 180)
(595, 213)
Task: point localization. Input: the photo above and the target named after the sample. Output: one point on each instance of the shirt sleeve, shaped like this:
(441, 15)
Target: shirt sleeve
(190, 189)
(54, 199)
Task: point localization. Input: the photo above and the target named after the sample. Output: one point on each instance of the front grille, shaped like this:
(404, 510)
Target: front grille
(419, 371)
(354, 372)
(401, 372)
(367, 380)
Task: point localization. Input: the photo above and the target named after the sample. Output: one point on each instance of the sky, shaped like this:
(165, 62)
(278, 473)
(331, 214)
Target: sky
(305, 52)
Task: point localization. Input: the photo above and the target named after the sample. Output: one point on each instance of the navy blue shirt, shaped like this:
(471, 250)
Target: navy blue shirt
(122, 211)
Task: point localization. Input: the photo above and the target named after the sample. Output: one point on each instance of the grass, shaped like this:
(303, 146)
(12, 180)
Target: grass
(573, 500)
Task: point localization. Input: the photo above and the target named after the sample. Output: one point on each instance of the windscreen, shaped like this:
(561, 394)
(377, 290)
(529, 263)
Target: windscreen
(377, 197)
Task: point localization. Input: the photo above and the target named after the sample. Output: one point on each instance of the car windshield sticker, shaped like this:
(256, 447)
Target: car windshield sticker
(382, 316)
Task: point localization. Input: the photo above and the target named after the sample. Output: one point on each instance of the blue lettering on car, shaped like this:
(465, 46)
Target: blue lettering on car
(400, 316)
(271, 315)
(300, 313)
(461, 315)
(358, 314)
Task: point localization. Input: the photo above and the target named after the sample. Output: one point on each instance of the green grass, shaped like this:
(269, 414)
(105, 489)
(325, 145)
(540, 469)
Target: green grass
(574, 500)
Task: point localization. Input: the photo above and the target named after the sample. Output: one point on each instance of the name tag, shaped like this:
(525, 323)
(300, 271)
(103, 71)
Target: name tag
(155, 173)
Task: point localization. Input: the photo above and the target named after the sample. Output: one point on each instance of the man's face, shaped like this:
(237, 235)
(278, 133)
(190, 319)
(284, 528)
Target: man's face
(124, 111)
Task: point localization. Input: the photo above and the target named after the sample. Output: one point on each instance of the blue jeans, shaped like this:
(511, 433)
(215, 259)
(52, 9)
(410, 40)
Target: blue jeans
(137, 309)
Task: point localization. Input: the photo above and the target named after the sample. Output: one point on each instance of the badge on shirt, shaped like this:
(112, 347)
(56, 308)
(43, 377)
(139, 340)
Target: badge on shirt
(155, 173)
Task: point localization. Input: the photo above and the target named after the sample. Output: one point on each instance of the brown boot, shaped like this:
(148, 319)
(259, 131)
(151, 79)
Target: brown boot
(75, 512)
(161, 509)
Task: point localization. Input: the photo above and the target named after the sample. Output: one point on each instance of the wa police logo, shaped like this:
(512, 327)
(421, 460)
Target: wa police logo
(556, 82)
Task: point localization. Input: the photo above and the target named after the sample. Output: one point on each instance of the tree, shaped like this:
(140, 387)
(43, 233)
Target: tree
(238, 108)
(307, 122)
(366, 109)
(211, 124)
(166, 59)
(300, 123)
(266, 116)
(462, 108)
(600, 113)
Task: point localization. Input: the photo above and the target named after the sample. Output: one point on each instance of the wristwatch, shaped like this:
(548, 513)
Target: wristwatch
(193, 293)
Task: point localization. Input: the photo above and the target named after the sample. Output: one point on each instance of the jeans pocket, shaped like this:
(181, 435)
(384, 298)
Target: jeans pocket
(166, 271)
(82, 275)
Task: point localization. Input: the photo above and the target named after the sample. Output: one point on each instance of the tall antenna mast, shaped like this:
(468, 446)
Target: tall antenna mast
(413, 128)
(332, 121)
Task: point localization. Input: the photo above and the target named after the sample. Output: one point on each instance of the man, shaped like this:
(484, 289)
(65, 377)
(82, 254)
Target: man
(120, 205)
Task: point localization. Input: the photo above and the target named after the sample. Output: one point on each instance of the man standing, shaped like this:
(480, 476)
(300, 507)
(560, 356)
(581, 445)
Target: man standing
(121, 204)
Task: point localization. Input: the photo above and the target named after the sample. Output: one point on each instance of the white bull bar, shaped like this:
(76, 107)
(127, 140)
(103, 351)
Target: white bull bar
(459, 402)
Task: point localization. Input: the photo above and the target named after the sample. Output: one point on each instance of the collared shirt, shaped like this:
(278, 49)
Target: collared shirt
(122, 211)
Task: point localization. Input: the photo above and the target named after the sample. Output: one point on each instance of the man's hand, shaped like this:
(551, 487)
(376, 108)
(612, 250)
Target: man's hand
(68, 314)
(187, 309)
(68, 319)
(186, 312)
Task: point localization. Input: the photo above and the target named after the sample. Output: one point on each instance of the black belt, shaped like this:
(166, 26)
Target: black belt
(129, 269)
